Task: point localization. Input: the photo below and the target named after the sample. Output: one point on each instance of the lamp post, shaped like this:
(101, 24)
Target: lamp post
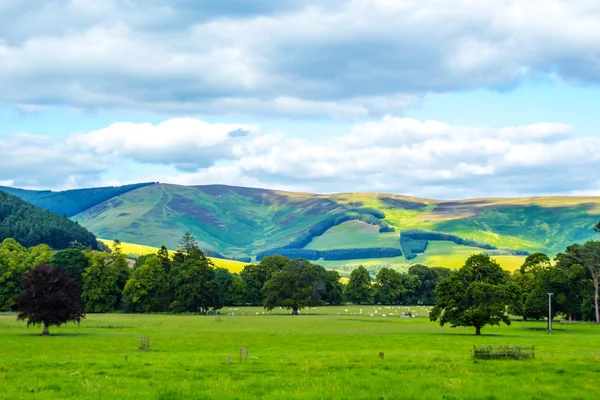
(550, 312)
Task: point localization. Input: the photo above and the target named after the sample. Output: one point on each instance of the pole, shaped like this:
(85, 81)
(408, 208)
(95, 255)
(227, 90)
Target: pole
(550, 312)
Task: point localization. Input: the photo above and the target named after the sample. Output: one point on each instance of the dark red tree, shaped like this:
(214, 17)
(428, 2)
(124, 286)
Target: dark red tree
(50, 297)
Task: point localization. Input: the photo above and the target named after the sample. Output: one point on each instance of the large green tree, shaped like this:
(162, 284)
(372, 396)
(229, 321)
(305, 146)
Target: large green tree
(15, 261)
(256, 275)
(476, 295)
(236, 292)
(359, 289)
(586, 255)
(298, 285)
(194, 284)
(147, 289)
(526, 280)
(72, 259)
(393, 287)
(100, 289)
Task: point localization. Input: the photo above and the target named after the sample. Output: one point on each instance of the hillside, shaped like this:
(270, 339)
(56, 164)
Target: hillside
(238, 222)
(30, 225)
(71, 202)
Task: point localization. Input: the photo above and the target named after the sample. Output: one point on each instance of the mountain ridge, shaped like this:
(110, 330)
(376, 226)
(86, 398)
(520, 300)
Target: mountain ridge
(240, 221)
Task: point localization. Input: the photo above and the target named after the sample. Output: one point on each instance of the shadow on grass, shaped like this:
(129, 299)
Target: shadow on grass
(466, 334)
(60, 334)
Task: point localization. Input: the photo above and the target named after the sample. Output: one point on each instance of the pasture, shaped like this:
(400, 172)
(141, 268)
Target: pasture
(327, 353)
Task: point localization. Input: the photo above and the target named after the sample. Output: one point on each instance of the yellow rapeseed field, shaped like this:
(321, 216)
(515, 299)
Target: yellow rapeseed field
(140, 249)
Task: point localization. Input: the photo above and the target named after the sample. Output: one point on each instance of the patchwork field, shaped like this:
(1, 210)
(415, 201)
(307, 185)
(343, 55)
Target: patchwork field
(328, 353)
(242, 222)
(133, 249)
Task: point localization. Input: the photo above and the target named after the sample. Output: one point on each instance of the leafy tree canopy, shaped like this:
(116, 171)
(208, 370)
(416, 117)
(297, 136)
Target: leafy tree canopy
(475, 296)
(50, 297)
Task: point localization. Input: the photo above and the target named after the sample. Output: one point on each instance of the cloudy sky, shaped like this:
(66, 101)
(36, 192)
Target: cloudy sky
(438, 98)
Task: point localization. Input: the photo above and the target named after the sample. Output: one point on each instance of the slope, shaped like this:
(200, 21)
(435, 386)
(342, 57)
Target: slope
(239, 221)
(30, 225)
(71, 202)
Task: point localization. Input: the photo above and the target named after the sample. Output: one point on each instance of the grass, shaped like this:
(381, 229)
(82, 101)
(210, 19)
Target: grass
(139, 249)
(354, 234)
(328, 353)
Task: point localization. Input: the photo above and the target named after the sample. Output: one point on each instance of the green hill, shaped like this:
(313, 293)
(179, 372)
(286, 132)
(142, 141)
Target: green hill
(70, 202)
(30, 225)
(237, 222)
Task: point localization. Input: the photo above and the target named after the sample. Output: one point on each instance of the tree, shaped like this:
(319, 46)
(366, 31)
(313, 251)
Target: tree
(194, 284)
(50, 297)
(165, 259)
(120, 265)
(187, 243)
(334, 290)
(395, 288)
(428, 279)
(526, 279)
(476, 295)
(72, 259)
(359, 288)
(588, 256)
(256, 276)
(224, 278)
(236, 292)
(100, 290)
(591, 260)
(297, 285)
(147, 289)
(16, 260)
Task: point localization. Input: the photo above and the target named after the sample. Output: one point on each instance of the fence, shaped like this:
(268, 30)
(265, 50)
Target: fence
(503, 352)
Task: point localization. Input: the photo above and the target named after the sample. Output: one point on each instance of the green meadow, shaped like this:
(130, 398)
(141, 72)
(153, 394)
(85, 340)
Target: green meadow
(326, 353)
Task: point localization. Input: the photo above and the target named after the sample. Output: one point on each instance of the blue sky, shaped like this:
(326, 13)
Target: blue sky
(443, 99)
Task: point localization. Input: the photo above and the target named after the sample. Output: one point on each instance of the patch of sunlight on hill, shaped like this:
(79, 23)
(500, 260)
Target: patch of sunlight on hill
(354, 234)
(140, 249)
(450, 255)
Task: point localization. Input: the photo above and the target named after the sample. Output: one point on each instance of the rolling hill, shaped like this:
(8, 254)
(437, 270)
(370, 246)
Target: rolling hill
(238, 222)
(30, 225)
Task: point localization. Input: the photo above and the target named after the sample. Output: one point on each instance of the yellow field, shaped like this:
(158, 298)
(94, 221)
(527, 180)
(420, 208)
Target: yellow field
(139, 249)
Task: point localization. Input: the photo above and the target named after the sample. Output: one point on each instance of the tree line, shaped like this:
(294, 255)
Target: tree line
(481, 293)
(478, 294)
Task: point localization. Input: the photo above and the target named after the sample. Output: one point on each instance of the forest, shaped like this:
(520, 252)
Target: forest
(30, 226)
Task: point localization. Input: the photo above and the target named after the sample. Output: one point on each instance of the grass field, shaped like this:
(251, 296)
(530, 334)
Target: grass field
(328, 353)
(353, 234)
(140, 249)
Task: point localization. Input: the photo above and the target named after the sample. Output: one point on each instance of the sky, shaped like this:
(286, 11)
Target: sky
(443, 99)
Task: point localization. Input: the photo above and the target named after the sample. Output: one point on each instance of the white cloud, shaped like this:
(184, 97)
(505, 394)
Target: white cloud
(400, 155)
(349, 58)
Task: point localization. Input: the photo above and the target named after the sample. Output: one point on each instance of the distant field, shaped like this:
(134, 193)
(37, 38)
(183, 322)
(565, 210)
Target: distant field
(450, 255)
(352, 234)
(138, 249)
(328, 353)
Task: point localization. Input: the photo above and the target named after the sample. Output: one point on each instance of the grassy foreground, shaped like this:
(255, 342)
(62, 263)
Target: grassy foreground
(327, 353)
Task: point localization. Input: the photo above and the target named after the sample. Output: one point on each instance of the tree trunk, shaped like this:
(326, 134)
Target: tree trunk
(46, 331)
(295, 310)
(477, 331)
(524, 318)
(595, 276)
